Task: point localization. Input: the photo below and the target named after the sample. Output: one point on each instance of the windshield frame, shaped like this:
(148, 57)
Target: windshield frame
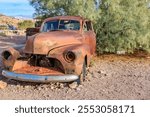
(80, 24)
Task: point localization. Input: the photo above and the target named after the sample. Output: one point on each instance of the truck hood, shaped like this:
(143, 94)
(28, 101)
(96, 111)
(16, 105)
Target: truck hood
(42, 43)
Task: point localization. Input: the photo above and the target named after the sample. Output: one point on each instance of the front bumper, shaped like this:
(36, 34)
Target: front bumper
(38, 78)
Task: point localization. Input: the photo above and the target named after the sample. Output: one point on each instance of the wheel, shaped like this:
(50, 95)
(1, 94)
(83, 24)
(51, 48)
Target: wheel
(82, 76)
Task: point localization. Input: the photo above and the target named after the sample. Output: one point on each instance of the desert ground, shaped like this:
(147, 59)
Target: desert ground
(109, 77)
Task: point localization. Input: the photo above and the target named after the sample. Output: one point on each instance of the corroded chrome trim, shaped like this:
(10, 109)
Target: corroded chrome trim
(38, 78)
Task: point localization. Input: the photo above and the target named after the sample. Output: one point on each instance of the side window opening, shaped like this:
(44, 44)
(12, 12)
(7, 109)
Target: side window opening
(87, 26)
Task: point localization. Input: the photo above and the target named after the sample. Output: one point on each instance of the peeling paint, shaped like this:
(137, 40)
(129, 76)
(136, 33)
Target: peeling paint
(50, 49)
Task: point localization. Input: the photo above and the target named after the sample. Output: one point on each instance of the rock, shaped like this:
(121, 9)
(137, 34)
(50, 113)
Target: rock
(68, 91)
(61, 85)
(79, 88)
(52, 86)
(91, 70)
(18, 86)
(39, 88)
(102, 72)
(96, 75)
(89, 76)
(73, 85)
(27, 86)
(3, 85)
(99, 72)
(121, 52)
(57, 84)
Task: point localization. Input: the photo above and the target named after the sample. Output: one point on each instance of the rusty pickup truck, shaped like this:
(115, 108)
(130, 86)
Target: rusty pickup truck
(59, 52)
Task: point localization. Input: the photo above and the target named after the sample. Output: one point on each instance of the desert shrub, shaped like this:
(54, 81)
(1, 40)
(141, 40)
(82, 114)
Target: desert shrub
(25, 24)
(123, 26)
(120, 25)
(3, 27)
(2, 34)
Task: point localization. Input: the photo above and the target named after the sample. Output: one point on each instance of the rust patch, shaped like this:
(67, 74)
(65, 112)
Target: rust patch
(9, 57)
(39, 70)
(61, 46)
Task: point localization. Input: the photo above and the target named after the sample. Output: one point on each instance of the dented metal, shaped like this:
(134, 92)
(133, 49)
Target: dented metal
(9, 56)
(64, 48)
(39, 78)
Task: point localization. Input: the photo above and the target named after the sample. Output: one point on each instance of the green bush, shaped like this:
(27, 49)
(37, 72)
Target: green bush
(2, 34)
(123, 26)
(3, 27)
(25, 24)
(120, 25)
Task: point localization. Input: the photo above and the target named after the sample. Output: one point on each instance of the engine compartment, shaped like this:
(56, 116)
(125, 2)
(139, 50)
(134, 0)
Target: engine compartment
(39, 65)
(31, 64)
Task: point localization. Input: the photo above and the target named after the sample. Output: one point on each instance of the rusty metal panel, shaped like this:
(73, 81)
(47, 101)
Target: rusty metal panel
(64, 49)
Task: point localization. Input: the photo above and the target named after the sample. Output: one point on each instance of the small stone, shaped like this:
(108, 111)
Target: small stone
(73, 85)
(27, 86)
(61, 86)
(3, 85)
(102, 72)
(69, 90)
(39, 88)
(21, 87)
(78, 89)
(52, 87)
(87, 79)
(89, 76)
(96, 75)
(18, 86)
(57, 84)
(91, 70)
(121, 52)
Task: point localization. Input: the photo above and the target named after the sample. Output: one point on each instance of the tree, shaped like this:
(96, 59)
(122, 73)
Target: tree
(123, 26)
(25, 24)
(47, 8)
(120, 25)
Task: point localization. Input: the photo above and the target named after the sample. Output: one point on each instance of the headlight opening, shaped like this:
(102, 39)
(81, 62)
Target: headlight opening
(69, 56)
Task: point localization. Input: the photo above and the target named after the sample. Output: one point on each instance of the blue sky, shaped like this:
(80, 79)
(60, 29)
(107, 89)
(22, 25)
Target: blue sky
(16, 8)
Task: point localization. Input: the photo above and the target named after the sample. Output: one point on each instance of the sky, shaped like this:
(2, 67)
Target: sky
(16, 8)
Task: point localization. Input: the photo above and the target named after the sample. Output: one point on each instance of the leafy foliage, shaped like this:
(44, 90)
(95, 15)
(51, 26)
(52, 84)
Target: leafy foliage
(3, 27)
(25, 24)
(2, 34)
(47, 8)
(123, 26)
(120, 25)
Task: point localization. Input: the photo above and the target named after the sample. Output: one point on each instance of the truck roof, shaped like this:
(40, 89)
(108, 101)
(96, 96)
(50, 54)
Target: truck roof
(65, 17)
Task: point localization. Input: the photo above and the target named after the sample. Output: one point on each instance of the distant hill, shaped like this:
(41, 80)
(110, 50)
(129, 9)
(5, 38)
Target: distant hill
(7, 20)
(24, 17)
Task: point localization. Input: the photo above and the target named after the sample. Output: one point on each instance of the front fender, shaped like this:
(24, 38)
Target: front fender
(81, 52)
(9, 56)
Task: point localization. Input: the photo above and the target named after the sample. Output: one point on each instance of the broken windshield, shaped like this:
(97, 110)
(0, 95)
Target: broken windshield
(54, 25)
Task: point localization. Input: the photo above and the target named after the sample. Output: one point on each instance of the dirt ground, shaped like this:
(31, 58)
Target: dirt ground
(109, 77)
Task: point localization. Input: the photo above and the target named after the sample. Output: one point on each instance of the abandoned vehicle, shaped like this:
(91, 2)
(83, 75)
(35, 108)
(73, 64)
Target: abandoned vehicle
(60, 51)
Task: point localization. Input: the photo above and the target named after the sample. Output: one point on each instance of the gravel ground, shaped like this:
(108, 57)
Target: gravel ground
(109, 77)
